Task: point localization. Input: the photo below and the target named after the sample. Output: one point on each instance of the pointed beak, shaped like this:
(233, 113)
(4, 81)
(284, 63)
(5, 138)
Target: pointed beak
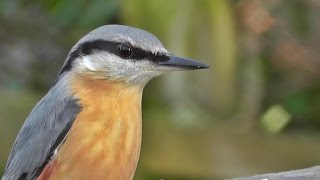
(174, 63)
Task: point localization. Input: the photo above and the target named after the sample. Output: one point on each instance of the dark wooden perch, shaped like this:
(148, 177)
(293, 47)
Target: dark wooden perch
(312, 173)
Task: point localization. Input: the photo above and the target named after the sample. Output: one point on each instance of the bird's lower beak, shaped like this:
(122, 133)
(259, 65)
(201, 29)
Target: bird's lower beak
(175, 63)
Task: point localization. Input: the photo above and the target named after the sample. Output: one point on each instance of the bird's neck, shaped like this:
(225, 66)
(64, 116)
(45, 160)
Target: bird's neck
(105, 138)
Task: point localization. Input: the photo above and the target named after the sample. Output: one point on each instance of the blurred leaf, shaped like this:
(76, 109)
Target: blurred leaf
(275, 119)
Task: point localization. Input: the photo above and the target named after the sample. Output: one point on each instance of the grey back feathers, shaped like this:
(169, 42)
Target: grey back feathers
(43, 131)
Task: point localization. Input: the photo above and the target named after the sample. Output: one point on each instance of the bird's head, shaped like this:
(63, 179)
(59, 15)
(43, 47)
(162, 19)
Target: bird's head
(123, 54)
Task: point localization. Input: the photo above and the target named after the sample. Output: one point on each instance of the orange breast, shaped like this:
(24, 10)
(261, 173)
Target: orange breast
(104, 141)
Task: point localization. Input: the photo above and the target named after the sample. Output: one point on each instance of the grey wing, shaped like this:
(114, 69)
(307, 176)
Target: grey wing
(43, 131)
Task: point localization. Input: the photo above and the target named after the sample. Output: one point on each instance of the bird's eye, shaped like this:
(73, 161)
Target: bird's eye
(124, 51)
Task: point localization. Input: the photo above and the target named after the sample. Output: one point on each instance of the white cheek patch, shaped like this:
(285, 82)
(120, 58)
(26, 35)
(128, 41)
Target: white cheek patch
(115, 68)
(87, 62)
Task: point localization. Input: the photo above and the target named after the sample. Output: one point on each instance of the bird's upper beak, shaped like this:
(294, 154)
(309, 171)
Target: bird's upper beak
(175, 63)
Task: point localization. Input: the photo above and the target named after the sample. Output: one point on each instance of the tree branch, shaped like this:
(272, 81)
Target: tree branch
(312, 173)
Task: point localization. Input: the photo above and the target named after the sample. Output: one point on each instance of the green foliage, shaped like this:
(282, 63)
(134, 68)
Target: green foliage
(300, 18)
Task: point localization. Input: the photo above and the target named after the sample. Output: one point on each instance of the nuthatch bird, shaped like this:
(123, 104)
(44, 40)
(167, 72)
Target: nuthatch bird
(88, 126)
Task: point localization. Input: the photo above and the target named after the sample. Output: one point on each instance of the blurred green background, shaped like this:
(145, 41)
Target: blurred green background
(256, 110)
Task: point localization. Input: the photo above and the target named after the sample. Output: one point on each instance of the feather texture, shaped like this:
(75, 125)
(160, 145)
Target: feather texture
(43, 131)
(104, 141)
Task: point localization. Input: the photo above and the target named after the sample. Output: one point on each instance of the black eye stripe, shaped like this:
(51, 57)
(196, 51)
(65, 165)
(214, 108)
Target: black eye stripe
(88, 48)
